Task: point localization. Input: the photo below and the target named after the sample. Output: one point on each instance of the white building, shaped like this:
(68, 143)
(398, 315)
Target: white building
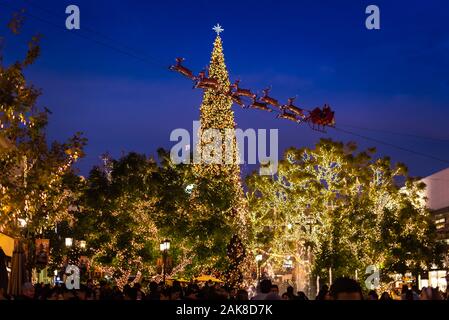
(437, 194)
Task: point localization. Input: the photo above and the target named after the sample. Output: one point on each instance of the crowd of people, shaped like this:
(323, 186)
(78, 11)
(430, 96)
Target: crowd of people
(349, 289)
(341, 289)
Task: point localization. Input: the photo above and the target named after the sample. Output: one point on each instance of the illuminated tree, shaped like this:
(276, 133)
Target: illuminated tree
(237, 254)
(347, 207)
(224, 216)
(118, 215)
(37, 181)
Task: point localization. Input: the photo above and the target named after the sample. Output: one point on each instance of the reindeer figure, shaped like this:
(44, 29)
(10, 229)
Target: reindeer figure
(268, 99)
(288, 116)
(237, 100)
(241, 92)
(203, 82)
(259, 105)
(178, 67)
(292, 108)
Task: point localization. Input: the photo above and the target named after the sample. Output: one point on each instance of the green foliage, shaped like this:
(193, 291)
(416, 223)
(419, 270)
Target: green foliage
(131, 204)
(118, 213)
(37, 180)
(236, 253)
(347, 206)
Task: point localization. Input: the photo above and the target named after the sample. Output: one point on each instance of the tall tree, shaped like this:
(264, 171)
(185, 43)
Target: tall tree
(218, 200)
(37, 180)
(347, 207)
(118, 216)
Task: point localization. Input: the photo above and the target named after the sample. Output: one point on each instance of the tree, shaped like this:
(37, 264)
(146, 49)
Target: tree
(218, 201)
(37, 180)
(131, 204)
(236, 253)
(194, 211)
(118, 214)
(345, 205)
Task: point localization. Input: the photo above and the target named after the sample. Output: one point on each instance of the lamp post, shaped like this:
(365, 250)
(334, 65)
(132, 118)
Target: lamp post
(258, 260)
(68, 242)
(22, 222)
(164, 247)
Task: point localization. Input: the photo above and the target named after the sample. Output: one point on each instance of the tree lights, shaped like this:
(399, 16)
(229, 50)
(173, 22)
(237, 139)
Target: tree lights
(216, 113)
(37, 180)
(335, 208)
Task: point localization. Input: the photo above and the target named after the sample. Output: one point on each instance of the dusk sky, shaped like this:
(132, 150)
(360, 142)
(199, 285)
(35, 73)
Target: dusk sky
(393, 80)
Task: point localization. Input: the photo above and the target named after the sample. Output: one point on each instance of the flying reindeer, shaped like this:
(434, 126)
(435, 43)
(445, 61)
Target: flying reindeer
(178, 67)
(237, 100)
(288, 116)
(203, 82)
(318, 118)
(260, 105)
(241, 92)
(268, 99)
(292, 108)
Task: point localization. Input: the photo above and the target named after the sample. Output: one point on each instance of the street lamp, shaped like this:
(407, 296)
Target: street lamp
(22, 222)
(258, 260)
(68, 242)
(164, 247)
(189, 188)
(83, 244)
(288, 263)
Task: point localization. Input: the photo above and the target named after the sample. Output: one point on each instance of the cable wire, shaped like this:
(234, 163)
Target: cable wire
(92, 30)
(392, 145)
(395, 133)
(151, 60)
(83, 36)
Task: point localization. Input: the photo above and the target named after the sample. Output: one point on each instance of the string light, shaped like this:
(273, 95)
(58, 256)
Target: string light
(329, 192)
(216, 113)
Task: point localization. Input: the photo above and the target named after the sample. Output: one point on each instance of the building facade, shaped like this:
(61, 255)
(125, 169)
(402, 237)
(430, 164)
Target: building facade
(437, 194)
(437, 200)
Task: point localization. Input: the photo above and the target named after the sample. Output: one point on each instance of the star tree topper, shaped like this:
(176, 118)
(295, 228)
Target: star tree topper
(218, 29)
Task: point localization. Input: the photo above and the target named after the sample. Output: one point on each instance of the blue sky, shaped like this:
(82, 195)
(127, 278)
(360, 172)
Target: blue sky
(395, 79)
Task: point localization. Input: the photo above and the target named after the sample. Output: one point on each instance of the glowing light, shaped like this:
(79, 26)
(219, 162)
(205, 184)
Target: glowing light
(165, 245)
(288, 263)
(68, 242)
(218, 29)
(189, 188)
(22, 222)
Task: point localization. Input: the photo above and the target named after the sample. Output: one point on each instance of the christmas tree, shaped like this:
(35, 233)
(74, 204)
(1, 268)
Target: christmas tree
(216, 113)
(221, 179)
